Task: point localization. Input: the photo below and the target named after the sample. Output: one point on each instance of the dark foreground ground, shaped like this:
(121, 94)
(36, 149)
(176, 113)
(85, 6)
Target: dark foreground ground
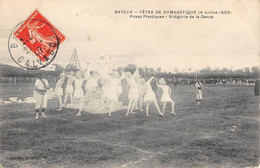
(222, 132)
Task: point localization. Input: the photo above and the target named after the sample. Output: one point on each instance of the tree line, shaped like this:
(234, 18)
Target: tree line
(204, 73)
(207, 72)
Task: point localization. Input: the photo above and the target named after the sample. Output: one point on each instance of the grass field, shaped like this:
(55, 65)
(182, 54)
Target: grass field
(198, 136)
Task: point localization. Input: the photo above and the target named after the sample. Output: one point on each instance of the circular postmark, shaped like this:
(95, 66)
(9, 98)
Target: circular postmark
(33, 44)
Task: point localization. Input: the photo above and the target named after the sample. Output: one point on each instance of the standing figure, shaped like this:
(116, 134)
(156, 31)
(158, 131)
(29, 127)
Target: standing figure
(92, 80)
(199, 87)
(92, 83)
(111, 91)
(69, 87)
(141, 91)
(119, 88)
(149, 97)
(40, 95)
(59, 89)
(78, 93)
(257, 90)
(90, 86)
(133, 92)
(78, 82)
(257, 87)
(166, 92)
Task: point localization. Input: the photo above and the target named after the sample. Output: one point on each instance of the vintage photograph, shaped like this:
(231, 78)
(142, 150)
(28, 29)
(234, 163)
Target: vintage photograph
(129, 84)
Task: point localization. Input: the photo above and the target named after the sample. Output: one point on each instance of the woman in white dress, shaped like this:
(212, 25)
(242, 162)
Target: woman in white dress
(112, 90)
(69, 87)
(81, 76)
(166, 92)
(133, 92)
(59, 90)
(141, 91)
(92, 83)
(78, 92)
(149, 97)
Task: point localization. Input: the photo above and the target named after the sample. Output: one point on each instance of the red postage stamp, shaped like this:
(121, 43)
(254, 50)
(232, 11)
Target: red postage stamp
(38, 37)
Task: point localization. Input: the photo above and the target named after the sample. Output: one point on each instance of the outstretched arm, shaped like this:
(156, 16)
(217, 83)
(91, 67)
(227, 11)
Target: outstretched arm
(136, 73)
(123, 76)
(157, 83)
(160, 86)
(149, 80)
(62, 80)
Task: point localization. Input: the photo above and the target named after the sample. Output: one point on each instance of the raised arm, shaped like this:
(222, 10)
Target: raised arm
(149, 80)
(63, 79)
(136, 73)
(123, 76)
(201, 86)
(158, 85)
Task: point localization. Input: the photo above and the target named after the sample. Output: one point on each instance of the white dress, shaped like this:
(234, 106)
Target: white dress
(91, 85)
(111, 89)
(69, 89)
(119, 89)
(78, 93)
(141, 90)
(133, 92)
(58, 88)
(166, 93)
(58, 91)
(149, 95)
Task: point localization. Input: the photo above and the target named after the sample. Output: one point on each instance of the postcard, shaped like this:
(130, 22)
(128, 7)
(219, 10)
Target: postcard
(121, 83)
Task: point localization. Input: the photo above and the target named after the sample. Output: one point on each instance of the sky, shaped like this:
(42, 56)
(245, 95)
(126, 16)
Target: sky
(230, 41)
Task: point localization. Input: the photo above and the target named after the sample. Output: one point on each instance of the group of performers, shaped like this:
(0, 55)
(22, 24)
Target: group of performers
(108, 85)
